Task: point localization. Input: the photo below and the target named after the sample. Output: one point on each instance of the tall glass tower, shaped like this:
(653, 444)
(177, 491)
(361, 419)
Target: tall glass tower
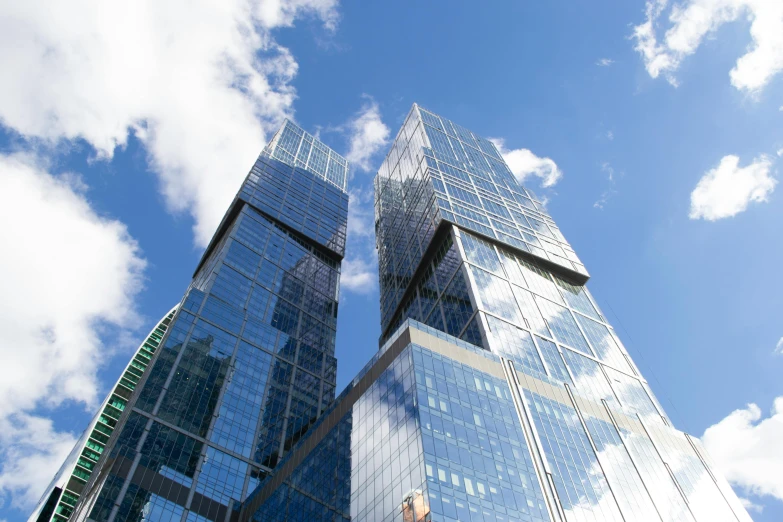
(500, 392)
(247, 364)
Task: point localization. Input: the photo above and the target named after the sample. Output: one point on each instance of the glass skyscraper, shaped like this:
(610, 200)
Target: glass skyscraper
(247, 363)
(500, 392)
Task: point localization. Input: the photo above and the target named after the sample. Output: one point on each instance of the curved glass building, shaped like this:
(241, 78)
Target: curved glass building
(62, 494)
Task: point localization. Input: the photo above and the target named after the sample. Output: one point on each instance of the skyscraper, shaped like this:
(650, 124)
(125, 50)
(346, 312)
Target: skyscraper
(63, 492)
(247, 362)
(500, 392)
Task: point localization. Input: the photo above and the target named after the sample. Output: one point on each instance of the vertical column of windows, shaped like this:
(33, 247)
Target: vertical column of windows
(704, 498)
(656, 477)
(581, 485)
(385, 444)
(630, 492)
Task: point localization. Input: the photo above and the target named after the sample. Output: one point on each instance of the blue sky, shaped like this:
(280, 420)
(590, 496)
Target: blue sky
(655, 132)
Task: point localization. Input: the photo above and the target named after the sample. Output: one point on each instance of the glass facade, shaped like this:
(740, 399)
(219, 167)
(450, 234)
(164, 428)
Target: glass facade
(62, 494)
(437, 174)
(501, 392)
(427, 431)
(247, 365)
(437, 429)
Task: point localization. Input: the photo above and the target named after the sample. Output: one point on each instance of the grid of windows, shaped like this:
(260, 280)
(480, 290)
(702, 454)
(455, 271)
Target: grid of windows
(477, 462)
(527, 296)
(582, 488)
(440, 297)
(430, 439)
(406, 213)
(293, 146)
(443, 428)
(299, 200)
(704, 499)
(164, 452)
(632, 497)
(86, 453)
(221, 477)
(248, 362)
(479, 193)
(527, 303)
(435, 438)
(366, 464)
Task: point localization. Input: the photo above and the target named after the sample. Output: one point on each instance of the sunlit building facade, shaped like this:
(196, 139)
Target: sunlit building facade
(500, 392)
(247, 363)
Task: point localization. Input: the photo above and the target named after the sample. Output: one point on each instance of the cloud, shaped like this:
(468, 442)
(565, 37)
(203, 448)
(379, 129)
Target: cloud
(779, 347)
(359, 276)
(604, 62)
(68, 276)
(201, 84)
(359, 272)
(607, 168)
(524, 164)
(693, 20)
(750, 506)
(610, 135)
(727, 189)
(361, 214)
(368, 135)
(283, 13)
(610, 191)
(747, 449)
(600, 202)
(32, 453)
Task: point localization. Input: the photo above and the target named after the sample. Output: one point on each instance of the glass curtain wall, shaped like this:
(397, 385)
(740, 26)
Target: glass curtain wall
(464, 248)
(247, 365)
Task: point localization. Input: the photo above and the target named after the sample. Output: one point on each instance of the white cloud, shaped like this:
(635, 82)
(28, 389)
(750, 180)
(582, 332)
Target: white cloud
(693, 20)
(32, 452)
(727, 189)
(603, 200)
(524, 164)
(67, 275)
(747, 449)
(359, 272)
(283, 13)
(609, 170)
(610, 135)
(604, 62)
(359, 276)
(610, 191)
(750, 506)
(368, 135)
(200, 84)
(361, 215)
(779, 347)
